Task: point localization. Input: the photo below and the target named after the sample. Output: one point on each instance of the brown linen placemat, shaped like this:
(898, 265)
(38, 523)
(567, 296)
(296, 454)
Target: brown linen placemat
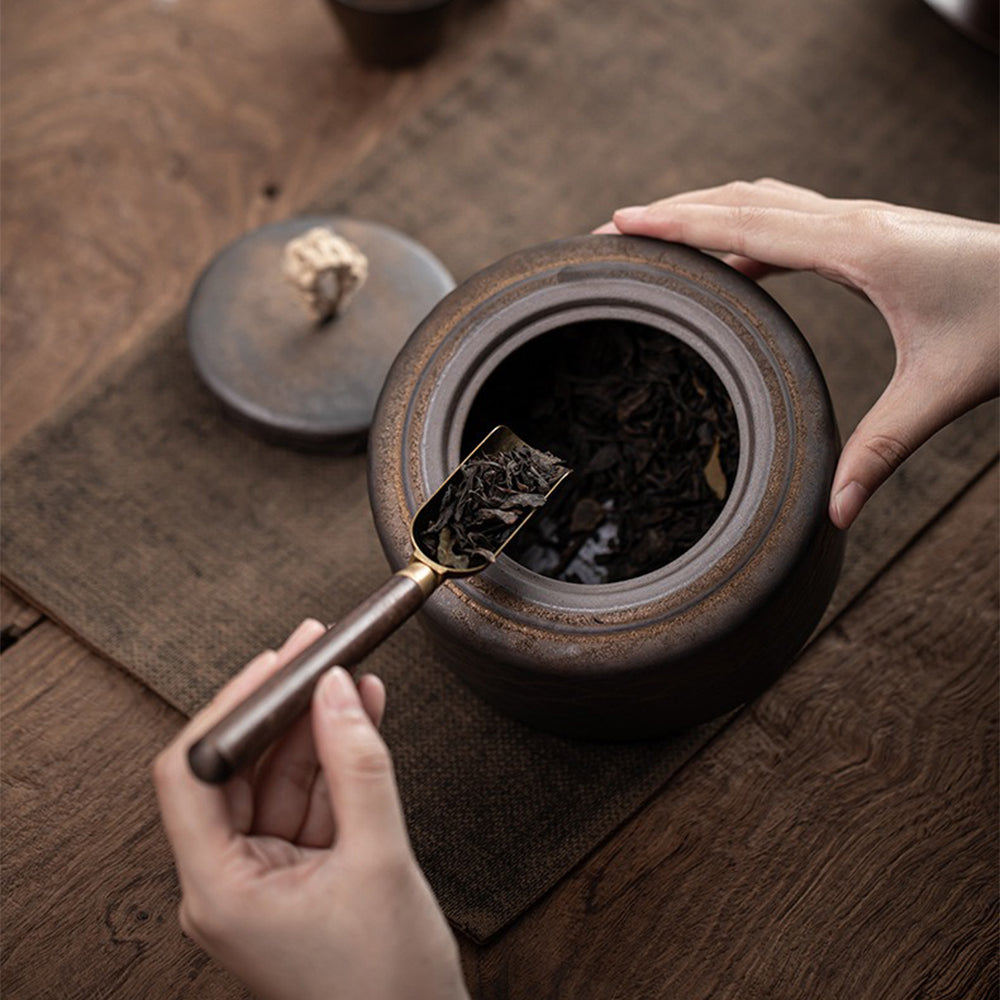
(177, 546)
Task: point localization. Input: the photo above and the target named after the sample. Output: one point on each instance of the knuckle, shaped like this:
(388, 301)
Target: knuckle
(369, 760)
(866, 217)
(878, 224)
(890, 451)
(741, 189)
(744, 221)
(365, 755)
(864, 239)
(746, 217)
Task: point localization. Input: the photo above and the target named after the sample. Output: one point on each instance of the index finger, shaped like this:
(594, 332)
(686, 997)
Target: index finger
(781, 237)
(196, 815)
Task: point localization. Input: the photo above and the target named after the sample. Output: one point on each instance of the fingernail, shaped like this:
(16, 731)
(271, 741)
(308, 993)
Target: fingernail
(303, 628)
(307, 625)
(847, 503)
(630, 213)
(337, 690)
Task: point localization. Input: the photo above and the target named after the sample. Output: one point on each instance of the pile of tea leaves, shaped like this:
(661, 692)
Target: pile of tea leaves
(485, 502)
(651, 435)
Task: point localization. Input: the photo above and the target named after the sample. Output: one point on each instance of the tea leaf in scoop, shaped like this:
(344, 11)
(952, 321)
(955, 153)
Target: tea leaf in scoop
(485, 502)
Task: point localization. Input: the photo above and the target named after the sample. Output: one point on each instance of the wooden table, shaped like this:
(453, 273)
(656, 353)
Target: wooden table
(839, 839)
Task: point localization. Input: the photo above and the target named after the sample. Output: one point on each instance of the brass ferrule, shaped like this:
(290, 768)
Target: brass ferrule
(423, 575)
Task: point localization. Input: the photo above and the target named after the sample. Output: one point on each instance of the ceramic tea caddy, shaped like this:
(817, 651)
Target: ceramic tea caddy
(685, 641)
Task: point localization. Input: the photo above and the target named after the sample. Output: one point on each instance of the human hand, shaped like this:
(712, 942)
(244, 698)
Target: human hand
(935, 279)
(299, 877)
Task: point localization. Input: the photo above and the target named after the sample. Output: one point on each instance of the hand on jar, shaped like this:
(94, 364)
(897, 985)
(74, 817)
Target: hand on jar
(299, 878)
(934, 278)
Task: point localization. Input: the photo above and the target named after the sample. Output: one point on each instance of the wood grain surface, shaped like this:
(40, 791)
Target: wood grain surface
(16, 617)
(139, 137)
(89, 891)
(839, 840)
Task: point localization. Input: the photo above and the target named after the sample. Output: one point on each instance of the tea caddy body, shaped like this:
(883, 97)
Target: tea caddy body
(693, 638)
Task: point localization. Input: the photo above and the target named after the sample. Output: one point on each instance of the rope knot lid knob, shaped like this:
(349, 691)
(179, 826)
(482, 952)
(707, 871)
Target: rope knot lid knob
(327, 270)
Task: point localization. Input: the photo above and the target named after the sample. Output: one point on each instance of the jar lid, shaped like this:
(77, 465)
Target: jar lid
(280, 372)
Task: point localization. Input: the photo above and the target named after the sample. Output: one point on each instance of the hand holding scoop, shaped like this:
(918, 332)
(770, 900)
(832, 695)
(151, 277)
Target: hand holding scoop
(459, 531)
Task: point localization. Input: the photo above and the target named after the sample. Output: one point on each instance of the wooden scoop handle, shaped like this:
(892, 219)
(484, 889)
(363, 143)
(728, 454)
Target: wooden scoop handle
(239, 738)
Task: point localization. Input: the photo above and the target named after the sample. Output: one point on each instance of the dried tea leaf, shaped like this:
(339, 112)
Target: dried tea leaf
(587, 515)
(714, 475)
(446, 554)
(633, 402)
(485, 502)
(604, 458)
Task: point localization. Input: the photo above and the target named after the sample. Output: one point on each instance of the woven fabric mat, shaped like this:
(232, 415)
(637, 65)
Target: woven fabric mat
(176, 546)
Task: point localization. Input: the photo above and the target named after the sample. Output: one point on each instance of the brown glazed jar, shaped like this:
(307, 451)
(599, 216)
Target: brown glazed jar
(696, 637)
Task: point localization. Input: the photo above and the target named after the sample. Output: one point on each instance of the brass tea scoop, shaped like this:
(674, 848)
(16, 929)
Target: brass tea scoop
(241, 736)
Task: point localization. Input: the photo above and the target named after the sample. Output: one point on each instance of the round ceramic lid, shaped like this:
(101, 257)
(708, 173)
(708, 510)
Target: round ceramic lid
(285, 376)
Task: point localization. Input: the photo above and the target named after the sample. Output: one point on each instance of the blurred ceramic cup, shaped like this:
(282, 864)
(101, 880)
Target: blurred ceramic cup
(393, 32)
(979, 19)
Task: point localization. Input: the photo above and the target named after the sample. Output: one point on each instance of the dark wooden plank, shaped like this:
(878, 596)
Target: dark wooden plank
(838, 840)
(17, 617)
(89, 892)
(140, 137)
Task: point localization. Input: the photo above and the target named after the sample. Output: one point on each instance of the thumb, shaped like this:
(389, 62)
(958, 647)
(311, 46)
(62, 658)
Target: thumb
(357, 769)
(901, 420)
